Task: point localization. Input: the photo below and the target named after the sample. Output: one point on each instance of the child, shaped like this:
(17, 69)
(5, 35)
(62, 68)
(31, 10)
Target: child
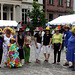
(13, 55)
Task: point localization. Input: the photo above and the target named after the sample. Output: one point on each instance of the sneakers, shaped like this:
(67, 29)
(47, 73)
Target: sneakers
(71, 66)
(65, 64)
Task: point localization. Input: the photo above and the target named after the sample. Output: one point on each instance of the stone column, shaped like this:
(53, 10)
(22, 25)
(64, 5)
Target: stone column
(14, 14)
(9, 13)
(1, 11)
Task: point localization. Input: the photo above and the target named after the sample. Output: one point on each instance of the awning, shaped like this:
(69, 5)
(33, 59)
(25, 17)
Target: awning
(8, 23)
(62, 20)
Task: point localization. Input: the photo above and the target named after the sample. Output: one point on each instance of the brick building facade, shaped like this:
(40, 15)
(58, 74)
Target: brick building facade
(55, 8)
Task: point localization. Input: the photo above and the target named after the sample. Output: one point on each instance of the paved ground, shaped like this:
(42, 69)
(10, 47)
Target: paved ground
(39, 69)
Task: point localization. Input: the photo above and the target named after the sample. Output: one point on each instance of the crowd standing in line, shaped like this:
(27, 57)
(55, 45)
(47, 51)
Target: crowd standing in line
(16, 49)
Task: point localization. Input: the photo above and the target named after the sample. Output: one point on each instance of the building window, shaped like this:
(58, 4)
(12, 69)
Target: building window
(60, 2)
(50, 1)
(35, 0)
(68, 3)
(24, 16)
(50, 17)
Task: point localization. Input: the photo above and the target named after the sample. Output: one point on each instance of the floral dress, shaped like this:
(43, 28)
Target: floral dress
(13, 56)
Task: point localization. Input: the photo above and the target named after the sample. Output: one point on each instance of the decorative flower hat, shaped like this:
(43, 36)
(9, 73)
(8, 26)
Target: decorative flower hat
(73, 29)
(0, 31)
(66, 26)
(36, 29)
(8, 28)
(57, 28)
(13, 39)
(27, 29)
(47, 28)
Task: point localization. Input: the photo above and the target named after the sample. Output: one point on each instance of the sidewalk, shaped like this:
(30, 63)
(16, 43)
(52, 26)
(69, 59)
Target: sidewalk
(39, 69)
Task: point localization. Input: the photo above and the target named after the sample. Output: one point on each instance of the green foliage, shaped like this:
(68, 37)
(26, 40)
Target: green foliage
(37, 15)
(71, 12)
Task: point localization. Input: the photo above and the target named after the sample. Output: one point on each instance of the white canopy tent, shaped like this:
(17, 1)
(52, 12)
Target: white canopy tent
(62, 20)
(8, 23)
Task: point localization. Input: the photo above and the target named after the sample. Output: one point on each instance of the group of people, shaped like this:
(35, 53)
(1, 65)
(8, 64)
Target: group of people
(59, 41)
(16, 49)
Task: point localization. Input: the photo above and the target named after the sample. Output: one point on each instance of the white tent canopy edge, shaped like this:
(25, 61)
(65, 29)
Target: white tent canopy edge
(62, 20)
(8, 23)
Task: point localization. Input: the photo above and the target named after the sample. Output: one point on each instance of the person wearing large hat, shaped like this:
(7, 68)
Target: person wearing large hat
(57, 44)
(20, 43)
(67, 35)
(38, 41)
(27, 45)
(47, 39)
(1, 44)
(6, 37)
(71, 49)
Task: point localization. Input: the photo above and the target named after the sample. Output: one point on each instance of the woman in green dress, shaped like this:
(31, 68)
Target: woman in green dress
(27, 46)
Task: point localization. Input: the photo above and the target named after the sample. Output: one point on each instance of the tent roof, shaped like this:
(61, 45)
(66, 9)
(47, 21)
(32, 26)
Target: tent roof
(66, 19)
(8, 23)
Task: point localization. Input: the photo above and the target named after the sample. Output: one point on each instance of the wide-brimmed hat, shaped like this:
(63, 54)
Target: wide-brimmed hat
(27, 30)
(73, 29)
(57, 28)
(10, 29)
(66, 26)
(46, 29)
(36, 29)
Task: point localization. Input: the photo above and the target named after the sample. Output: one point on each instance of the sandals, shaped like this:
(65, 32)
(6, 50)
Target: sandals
(65, 64)
(45, 60)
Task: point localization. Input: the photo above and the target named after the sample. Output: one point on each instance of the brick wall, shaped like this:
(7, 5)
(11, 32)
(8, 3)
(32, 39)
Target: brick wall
(55, 9)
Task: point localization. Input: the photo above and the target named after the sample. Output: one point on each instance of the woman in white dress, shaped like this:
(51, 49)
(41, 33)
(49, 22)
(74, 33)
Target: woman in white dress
(7, 36)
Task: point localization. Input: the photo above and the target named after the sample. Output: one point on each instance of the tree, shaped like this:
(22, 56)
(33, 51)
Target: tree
(37, 15)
